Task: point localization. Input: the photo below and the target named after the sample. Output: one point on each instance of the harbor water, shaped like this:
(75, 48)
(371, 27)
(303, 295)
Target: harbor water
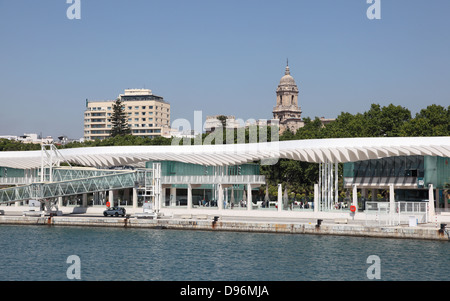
(114, 254)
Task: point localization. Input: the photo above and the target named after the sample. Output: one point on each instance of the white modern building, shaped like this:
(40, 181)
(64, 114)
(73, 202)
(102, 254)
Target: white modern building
(213, 164)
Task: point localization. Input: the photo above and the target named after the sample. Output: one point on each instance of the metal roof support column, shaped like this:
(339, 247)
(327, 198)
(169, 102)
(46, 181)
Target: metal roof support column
(430, 202)
(316, 198)
(135, 197)
(319, 196)
(220, 197)
(327, 185)
(280, 198)
(249, 197)
(189, 196)
(111, 198)
(336, 189)
(391, 204)
(42, 164)
(157, 187)
(330, 184)
(324, 187)
(355, 196)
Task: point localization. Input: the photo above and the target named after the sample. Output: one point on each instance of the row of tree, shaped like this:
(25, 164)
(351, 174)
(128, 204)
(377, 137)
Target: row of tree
(12, 145)
(378, 121)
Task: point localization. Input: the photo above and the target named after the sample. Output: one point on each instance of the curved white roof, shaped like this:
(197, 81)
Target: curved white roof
(319, 150)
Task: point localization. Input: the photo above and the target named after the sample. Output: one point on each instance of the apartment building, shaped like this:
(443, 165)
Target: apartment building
(148, 115)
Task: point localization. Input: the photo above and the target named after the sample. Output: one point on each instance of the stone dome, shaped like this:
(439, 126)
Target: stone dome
(287, 79)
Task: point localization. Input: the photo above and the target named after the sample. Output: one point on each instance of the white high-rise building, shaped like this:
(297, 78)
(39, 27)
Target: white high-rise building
(148, 115)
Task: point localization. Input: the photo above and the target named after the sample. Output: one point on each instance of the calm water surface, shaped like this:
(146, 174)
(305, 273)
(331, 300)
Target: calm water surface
(41, 252)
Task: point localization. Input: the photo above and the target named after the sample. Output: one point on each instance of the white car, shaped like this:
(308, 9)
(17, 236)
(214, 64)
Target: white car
(115, 211)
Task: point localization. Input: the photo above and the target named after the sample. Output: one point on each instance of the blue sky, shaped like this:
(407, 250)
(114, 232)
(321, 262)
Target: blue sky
(220, 57)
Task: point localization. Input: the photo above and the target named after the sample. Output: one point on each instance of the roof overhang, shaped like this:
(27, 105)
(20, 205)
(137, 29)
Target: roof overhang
(313, 150)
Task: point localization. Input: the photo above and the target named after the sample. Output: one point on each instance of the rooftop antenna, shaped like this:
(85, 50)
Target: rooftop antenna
(287, 62)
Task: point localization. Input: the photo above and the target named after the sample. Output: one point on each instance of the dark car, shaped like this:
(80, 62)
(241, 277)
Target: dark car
(114, 211)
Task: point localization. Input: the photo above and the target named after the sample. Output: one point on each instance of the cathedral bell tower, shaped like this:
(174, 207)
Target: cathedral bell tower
(287, 110)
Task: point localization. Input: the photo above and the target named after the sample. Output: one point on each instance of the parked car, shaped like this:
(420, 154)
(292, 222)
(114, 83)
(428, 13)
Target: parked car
(115, 211)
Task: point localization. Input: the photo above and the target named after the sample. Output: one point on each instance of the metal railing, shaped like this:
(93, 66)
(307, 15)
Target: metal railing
(381, 212)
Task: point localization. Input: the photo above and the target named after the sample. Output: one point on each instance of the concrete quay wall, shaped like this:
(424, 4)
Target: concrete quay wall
(418, 232)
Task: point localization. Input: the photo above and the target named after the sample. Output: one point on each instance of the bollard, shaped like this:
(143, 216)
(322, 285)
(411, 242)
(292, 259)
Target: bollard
(216, 218)
(319, 221)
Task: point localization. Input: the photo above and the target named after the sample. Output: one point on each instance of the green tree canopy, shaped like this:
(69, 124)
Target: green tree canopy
(434, 120)
(119, 120)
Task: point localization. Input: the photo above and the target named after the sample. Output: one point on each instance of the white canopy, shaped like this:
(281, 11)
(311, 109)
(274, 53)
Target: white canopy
(318, 150)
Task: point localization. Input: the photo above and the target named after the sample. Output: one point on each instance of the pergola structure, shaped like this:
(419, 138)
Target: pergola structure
(327, 152)
(339, 150)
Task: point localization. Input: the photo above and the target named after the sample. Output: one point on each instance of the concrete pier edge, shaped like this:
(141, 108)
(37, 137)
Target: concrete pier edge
(198, 220)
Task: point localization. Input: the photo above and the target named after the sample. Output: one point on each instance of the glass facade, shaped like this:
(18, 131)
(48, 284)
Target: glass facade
(403, 166)
(174, 168)
(204, 193)
(11, 172)
(437, 171)
(426, 169)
